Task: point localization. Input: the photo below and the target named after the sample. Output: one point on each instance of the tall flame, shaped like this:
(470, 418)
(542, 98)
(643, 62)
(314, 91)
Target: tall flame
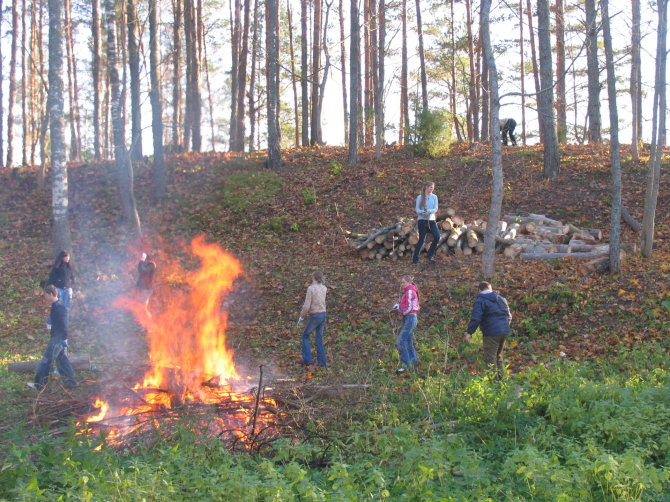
(186, 329)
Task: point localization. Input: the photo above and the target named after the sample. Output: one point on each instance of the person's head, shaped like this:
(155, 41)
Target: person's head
(51, 293)
(63, 257)
(406, 280)
(485, 286)
(318, 276)
(427, 189)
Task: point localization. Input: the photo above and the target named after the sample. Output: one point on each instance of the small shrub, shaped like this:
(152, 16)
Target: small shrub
(309, 196)
(431, 136)
(335, 167)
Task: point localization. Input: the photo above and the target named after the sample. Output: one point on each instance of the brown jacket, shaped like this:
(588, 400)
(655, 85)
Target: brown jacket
(315, 300)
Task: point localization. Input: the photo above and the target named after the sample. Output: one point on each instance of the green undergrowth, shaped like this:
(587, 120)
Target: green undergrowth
(563, 431)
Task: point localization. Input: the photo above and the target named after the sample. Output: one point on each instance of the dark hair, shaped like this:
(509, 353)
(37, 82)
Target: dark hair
(58, 263)
(51, 290)
(483, 286)
(318, 276)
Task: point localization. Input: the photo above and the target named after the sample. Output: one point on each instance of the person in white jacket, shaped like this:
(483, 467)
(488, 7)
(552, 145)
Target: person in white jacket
(314, 307)
(426, 207)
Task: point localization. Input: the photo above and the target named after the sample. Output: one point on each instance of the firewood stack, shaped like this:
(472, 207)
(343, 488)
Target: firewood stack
(531, 236)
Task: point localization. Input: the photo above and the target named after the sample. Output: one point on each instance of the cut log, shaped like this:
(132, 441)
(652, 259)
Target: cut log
(629, 220)
(78, 362)
(447, 225)
(529, 227)
(549, 256)
(380, 239)
(511, 231)
(595, 233)
(413, 238)
(513, 251)
(585, 237)
(546, 221)
(556, 229)
(479, 247)
(456, 233)
(467, 251)
(375, 233)
(553, 237)
(457, 220)
(599, 265)
(472, 237)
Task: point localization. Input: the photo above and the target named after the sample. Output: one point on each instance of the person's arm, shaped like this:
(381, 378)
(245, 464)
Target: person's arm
(417, 206)
(476, 317)
(507, 310)
(431, 205)
(308, 303)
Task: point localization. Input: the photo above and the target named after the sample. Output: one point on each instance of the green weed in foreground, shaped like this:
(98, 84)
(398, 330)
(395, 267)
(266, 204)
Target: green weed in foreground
(568, 432)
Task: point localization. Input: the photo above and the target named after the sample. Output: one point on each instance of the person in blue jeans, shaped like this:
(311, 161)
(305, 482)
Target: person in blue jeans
(409, 307)
(57, 347)
(426, 207)
(314, 307)
(62, 277)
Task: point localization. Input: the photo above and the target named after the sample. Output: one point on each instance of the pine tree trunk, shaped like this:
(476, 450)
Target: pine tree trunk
(354, 81)
(252, 81)
(593, 73)
(615, 221)
(176, 76)
(635, 80)
(488, 258)
(242, 80)
(24, 88)
(453, 73)
(343, 65)
(12, 85)
(316, 67)
(2, 149)
(296, 120)
(235, 22)
(379, 94)
(272, 50)
(367, 75)
(59, 193)
(304, 73)
(158, 170)
(472, 115)
(551, 157)
(561, 114)
(422, 58)
(134, 65)
(536, 73)
(124, 167)
(96, 70)
(658, 132)
(403, 128)
(523, 75)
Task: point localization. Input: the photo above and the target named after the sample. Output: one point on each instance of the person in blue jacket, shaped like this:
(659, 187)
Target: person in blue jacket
(492, 316)
(426, 207)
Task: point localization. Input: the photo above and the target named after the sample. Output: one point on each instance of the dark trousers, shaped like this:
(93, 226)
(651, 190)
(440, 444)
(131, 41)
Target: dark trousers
(493, 352)
(424, 226)
(55, 351)
(317, 324)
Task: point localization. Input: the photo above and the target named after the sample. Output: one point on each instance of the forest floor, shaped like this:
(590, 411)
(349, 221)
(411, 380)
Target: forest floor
(284, 225)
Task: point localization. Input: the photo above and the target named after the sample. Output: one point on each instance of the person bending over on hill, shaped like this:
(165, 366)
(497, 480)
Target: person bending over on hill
(314, 307)
(409, 308)
(492, 316)
(507, 127)
(426, 207)
(57, 347)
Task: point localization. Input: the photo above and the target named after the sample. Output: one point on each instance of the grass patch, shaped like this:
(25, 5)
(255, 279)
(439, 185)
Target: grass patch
(249, 189)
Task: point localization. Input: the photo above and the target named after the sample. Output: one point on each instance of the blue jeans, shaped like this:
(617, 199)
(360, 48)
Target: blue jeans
(317, 323)
(424, 226)
(405, 342)
(55, 351)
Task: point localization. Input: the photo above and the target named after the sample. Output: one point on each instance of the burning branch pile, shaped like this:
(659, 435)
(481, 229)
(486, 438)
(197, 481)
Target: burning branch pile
(531, 236)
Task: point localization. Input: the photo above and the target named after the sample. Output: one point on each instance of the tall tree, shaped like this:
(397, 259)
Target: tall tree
(296, 111)
(522, 66)
(304, 74)
(272, 51)
(12, 84)
(236, 27)
(552, 167)
(73, 87)
(134, 66)
(176, 76)
(242, 80)
(422, 58)
(473, 129)
(488, 258)
(24, 87)
(593, 73)
(252, 79)
(561, 114)
(615, 220)
(192, 122)
(158, 170)
(354, 80)
(379, 93)
(343, 65)
(59, 195)
(658, 132)
(536, 73)
(2, 153)
(316, 67)
(96, 70)
(403, 129)
(635, 81)
(124, 168)
(485, 96)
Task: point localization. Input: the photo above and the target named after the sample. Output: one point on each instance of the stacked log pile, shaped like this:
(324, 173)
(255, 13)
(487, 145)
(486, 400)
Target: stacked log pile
(529, 237)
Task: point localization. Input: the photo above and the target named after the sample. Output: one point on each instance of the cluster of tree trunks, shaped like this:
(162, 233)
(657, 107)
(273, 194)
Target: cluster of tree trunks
(534, 236)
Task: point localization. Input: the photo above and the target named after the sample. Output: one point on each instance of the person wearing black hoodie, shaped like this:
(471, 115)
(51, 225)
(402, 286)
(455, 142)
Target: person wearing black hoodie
(492, 316)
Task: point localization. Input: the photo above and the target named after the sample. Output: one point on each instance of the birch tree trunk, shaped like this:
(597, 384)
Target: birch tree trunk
(615, 220)
(658, 133)
(551, 158)
(593, 73)
(488, 258)
(124, 168)
(354, 81)
(158, 171)
(59, 193)
(272, 50)
(95, 70)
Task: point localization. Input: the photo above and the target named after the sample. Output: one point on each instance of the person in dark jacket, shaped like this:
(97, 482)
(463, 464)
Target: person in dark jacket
(492, 316)
(57, 346)
(145, 278)
(62, 277)
(507, 127)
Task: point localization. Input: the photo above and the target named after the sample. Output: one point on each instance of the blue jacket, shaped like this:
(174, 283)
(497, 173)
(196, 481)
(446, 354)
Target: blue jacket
(58, 321)
(491, 314)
